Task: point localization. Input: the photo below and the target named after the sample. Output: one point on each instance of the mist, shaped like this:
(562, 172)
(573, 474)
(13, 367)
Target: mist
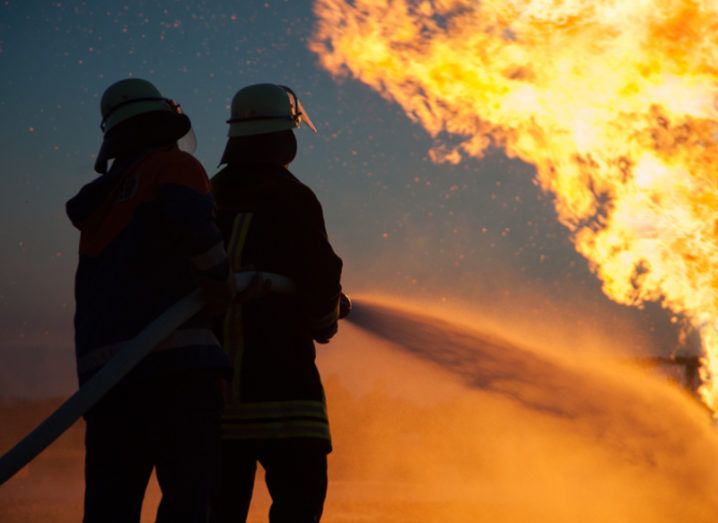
(444, 422)
(436, 417)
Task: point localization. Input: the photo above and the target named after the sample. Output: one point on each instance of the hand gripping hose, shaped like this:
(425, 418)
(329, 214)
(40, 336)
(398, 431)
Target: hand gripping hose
(107, 377)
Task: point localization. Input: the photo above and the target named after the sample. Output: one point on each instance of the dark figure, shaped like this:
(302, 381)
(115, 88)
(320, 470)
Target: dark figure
(274, 227)
(148, 239)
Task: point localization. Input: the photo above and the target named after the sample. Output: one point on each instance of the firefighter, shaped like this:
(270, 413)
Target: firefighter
(147, 238)
(273, 227)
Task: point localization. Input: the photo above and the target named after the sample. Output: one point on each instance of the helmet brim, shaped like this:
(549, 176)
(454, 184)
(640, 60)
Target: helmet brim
(264, 126)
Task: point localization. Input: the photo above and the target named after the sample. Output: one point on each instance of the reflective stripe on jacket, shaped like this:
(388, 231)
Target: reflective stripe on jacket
(276, 419)
(272, 222)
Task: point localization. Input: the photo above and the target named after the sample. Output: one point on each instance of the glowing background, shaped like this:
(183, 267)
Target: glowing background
(613, 102)
(561, 435)
(480, 232)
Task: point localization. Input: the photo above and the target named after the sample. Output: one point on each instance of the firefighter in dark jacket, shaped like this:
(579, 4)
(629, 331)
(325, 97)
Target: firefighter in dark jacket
(148, 239)
(274, 229)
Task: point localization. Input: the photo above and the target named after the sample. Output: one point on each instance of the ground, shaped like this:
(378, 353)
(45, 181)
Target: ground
(433, 421)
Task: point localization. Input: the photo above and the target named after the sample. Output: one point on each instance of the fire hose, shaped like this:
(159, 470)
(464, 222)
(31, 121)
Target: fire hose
(133, 351)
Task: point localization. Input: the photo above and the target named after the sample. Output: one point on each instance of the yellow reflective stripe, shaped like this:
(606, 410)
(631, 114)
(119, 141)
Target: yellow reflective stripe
(276, 429)
(233, 332)
(284, 403)
(241, 435)
(270, 410)
(239, 235)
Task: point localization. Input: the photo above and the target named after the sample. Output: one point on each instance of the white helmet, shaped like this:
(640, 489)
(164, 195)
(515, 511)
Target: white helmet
(132, 97)
(266, 108)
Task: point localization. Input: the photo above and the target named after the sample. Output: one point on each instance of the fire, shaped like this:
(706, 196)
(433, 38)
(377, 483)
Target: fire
(613, 102)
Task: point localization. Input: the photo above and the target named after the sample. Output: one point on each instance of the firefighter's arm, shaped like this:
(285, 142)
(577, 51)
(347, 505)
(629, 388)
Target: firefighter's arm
(321, 271)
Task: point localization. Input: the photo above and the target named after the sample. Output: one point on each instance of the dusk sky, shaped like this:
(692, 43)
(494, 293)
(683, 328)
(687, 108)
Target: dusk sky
(480, 232)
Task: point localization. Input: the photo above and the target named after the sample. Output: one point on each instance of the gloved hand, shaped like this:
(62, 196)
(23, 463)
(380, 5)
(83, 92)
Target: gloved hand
(325, 334)
(345, 305)
(257, 287)
(217, 294)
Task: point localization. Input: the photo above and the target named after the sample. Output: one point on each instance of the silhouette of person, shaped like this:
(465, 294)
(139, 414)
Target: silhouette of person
(147, 238)
(273, 227)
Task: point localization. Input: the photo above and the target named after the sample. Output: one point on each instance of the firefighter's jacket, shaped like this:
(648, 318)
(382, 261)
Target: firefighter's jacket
(147, 235)
(273, 223)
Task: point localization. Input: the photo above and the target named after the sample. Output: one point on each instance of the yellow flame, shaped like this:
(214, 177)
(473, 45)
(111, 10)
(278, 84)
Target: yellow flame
(613, 101)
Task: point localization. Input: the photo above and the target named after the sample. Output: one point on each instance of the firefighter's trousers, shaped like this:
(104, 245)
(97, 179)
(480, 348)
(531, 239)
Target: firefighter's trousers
(169, 423)
(295, 474)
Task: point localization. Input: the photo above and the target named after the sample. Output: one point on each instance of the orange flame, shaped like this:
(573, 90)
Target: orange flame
(613, 101)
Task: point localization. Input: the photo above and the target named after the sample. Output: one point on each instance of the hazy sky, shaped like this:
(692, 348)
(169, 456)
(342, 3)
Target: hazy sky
(479, 232)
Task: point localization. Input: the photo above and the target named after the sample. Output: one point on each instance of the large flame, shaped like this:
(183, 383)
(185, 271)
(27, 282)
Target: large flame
(613, 101)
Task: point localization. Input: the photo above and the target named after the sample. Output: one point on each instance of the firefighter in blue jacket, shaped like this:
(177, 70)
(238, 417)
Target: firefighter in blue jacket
(148, 239)
(274, 227)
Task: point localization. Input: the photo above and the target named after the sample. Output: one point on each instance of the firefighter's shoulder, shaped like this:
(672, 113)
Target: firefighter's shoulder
(177, 167)
(300, 194)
